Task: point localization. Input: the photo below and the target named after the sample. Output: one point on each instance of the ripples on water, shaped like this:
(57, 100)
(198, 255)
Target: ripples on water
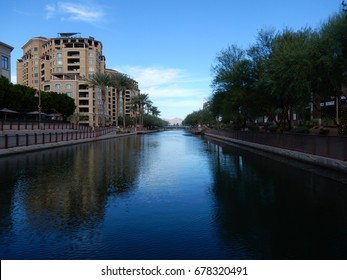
(167, 195)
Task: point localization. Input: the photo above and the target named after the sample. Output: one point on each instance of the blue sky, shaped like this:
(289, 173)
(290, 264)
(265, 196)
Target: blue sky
(168, 46)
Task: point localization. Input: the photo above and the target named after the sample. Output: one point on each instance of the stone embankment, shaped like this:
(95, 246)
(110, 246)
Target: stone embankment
(333, 157)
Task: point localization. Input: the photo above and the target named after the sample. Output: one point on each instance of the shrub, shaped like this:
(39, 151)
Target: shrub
(300, 129)
(324, 131)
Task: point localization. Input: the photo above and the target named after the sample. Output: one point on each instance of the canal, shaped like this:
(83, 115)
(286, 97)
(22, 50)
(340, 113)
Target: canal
(168, 195)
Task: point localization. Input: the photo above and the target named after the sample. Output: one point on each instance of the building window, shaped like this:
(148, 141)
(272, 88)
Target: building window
(59, 69)
(91, 61)
(57, 86)
(4, 62)
(69, 94)
(59, 62)
(68, 86)
(59, 55)
(91, 69)
(91, 54)
(36, 49)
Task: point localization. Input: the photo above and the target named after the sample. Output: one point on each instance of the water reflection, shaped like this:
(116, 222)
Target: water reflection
(65, 189)
(270, 210)
(167, 196)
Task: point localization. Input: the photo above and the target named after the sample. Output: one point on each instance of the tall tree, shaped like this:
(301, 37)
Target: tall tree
(123, 83)
(287, 75)
(140, 101)
(102, 81)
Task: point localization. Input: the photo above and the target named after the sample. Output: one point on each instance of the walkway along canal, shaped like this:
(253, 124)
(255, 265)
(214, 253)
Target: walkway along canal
(167, 195)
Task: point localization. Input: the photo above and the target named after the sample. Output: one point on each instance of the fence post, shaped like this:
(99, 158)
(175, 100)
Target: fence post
(26, 139)
(17, 140)
(50, 137)
(35, 134)
(43, 138)
(6, 141)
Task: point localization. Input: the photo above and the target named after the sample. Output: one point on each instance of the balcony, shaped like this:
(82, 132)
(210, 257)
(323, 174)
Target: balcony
(74, 68)
(73, 61)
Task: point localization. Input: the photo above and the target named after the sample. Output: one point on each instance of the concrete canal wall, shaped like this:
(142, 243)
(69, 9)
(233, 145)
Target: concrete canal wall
(338, 165)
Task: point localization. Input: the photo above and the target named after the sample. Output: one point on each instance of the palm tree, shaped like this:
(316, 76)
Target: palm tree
(101, 80)
(123, 83)
(141, 101)
(155, 112)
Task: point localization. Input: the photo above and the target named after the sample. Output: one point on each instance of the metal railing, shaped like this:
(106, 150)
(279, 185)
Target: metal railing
(12, 140)
(6, 125)
(327, 146)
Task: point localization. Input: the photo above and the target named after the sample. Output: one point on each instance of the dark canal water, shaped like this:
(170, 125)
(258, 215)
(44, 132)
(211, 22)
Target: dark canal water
(168, 195)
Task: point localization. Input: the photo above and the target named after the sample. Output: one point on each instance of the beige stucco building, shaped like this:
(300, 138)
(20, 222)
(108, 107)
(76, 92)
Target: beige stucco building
(5, 53)
(64, 64)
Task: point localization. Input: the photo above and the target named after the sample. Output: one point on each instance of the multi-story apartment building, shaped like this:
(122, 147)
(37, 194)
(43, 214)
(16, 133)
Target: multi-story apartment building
(64, 64)
(5, 53)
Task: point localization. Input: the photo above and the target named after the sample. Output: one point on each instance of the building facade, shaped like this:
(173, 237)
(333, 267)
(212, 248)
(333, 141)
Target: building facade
(5, 53)
(64, 64)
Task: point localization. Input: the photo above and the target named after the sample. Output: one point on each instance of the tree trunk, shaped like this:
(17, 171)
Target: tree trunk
(117, 106)
(123, 96)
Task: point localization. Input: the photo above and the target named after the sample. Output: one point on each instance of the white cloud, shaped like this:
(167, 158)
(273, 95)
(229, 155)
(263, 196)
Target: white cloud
(151, 76)
(174, 91)
(50, 11)
(71, 11)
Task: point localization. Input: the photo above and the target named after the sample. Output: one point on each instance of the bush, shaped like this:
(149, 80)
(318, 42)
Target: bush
(311, 123)
(272, 128)
(300, 129)
(324, 131)
(253, 128)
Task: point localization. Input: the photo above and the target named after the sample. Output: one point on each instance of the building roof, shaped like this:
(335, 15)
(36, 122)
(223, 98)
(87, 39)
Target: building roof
(6, 45)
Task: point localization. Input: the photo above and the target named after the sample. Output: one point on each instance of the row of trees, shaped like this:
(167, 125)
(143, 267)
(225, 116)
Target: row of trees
(140, 103)
(22, 99)
(281, 73)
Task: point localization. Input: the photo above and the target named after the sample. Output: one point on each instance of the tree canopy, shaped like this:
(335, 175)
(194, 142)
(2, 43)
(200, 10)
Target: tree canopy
(22, 99)
(281, 73)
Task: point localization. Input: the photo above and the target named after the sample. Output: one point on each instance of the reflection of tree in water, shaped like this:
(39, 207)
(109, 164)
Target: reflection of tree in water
(7, 181)
(69, 187)
(270, 210)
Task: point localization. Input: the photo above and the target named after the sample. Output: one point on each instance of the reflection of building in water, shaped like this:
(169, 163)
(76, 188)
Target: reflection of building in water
(69, 187)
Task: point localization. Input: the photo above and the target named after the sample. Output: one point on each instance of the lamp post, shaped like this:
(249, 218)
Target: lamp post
(38, 94)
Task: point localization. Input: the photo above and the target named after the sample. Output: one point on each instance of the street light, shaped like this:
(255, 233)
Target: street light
(38, 94)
